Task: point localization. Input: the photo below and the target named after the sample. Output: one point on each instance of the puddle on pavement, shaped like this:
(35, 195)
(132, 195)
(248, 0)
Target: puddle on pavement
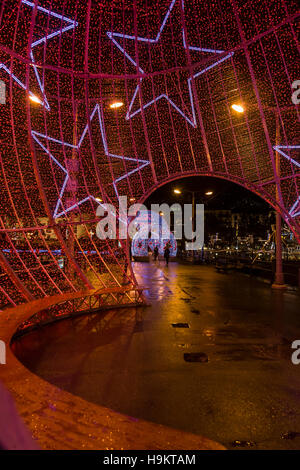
(195, 357)
(180, 325)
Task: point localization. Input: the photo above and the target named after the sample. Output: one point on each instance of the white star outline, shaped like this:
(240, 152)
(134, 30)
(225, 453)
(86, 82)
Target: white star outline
(37, 136)
(192, 121)
(71, 24)
(295, 209)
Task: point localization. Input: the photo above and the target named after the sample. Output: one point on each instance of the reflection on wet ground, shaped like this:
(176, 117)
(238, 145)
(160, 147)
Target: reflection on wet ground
(228, 375)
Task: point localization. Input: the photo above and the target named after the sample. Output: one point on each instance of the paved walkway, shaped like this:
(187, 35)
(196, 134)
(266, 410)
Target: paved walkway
(132, 361)
(57, 419)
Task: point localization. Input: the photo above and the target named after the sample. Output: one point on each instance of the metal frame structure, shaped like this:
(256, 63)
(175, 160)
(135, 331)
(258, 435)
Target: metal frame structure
(86, 303)
(177, 67)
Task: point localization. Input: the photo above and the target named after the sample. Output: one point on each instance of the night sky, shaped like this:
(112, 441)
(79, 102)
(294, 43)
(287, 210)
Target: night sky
(227, 195)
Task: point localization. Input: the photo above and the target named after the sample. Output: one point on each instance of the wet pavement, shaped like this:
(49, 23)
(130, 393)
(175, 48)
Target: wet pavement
(211, 355)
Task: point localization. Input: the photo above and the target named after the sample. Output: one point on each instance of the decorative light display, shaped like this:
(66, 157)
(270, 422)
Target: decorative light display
(70, 25)
(178, 67)
(295, 209)
(37, 137)
(161, 237)
(191, 120)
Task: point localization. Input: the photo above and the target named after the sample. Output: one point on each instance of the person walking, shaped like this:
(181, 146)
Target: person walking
(155, 253)
(167, 254)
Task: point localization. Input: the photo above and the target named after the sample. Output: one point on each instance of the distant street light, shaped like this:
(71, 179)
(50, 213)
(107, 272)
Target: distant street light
(178, 191)
(207, 193)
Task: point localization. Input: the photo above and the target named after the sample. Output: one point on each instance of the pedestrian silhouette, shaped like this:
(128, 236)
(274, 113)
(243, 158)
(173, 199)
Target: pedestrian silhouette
(167, 254)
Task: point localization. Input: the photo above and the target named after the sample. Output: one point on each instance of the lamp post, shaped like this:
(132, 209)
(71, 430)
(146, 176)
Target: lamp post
(279, 276)
(193, 193)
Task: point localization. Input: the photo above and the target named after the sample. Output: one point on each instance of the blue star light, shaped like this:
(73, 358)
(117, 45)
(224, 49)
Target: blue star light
(37, 136)
(192, 118)
(70, 25)
(295, 209)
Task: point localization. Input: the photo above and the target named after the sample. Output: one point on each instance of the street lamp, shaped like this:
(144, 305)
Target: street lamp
(279, 277)
(35, 99)
(238, 108)
(207, 193)
(116, 104)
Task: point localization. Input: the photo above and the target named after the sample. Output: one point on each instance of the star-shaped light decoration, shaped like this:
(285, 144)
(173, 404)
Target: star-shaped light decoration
(58, 211)
(295, 209)
(70, 24)
(220, 55)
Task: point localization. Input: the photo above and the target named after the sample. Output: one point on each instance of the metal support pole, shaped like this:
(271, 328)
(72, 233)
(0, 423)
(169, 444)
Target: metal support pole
(279, 277)
(193, 218)
(72, 192)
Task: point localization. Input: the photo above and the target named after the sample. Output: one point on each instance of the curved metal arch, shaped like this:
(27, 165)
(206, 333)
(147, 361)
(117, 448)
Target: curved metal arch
(247, 185)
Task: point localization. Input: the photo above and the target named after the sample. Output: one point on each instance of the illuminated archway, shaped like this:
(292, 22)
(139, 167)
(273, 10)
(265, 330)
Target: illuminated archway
(175, 69)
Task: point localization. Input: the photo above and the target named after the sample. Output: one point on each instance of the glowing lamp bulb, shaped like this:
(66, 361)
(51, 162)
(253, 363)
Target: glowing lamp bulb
(208, 193)
(177, 191)
(238, 108)
(116, 104)
(35, 99)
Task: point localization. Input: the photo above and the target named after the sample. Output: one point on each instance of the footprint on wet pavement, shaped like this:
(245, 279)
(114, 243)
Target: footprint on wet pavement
(195, 357)
(195, 310)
